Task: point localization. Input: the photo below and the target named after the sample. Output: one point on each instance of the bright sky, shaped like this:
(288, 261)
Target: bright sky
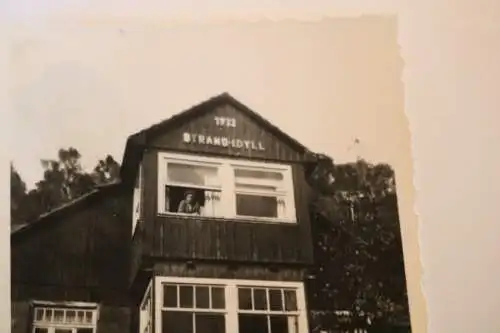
(91, 85)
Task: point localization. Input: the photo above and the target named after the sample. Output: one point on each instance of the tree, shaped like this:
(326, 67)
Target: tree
(107, 170)
(63, 180)
(358, 249)
(17, 194)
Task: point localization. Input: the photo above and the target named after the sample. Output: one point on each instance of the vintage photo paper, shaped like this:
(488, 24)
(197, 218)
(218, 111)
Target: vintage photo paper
(212, 177)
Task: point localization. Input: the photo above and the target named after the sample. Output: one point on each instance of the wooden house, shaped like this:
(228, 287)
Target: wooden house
(207, 231)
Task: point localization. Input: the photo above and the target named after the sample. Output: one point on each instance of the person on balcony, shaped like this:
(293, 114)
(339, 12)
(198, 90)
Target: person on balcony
(187, 205)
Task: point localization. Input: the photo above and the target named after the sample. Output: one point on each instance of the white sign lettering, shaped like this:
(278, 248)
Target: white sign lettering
(222, 141)
(225, 122)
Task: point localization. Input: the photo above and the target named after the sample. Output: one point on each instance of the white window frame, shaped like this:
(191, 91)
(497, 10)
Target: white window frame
(51, 325)
(226, 169)
(146, 310)
(137, 199)
(231, 298)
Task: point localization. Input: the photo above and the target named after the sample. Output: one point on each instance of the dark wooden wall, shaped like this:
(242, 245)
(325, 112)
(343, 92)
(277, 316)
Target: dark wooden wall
(79, 256)
(136, 251)
(222, 271)
(227, 240)
(20, 317)
(246, 129)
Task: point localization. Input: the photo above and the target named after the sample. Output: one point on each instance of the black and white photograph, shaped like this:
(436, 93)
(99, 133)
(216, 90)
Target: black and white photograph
(217, 177)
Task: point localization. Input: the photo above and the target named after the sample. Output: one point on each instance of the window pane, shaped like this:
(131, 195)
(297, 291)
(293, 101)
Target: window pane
(38, 314)
(186, 296)
(84, 330)
(63, 330)
(70, 316)
(212, 204)
(202, 297)
(41, 330)
(245, 298)
(251, 323)
(187, 200)
(290, 300)
(88, 317)
(256, 205)
(259, 174)
(210, 323)
(184, 200)
(218, 298)
(259, 298)
(275, 300)
(58, 316)
(80, 316)
(255, 187)
(192, 174)
(279, 324)
(48, 314)
(176, 322)
(170, 296)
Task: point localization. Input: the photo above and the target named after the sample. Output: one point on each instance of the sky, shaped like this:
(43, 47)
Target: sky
(90, 84)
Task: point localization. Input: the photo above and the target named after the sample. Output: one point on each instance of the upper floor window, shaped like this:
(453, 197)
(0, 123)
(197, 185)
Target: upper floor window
(225, 188)
(49, 318)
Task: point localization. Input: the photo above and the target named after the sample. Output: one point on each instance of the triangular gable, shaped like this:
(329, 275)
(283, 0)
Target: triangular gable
(223, 125)
(169, 135)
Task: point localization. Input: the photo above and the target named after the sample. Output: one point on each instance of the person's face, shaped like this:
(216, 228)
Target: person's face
(189, 197)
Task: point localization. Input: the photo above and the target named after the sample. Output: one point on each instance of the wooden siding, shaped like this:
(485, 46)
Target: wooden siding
(83, 257)
(136, 251)
(134, 320)
(221, 271)
(246, 129)
(115, 319)
(150, 199)
(302, 194)
(227, 240)
(20, 317)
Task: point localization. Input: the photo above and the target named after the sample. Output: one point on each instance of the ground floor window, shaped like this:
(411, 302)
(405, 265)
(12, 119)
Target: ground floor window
(192, 308)
(64, 318)
(271, 310)
(229, 306)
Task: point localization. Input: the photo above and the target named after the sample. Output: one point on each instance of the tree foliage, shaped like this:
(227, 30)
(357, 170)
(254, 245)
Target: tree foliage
(17, 193)
(358, 248)
(63, 180)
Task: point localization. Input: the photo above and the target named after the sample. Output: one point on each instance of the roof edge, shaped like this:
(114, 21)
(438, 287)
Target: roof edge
(60, 209)
(258, 117)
